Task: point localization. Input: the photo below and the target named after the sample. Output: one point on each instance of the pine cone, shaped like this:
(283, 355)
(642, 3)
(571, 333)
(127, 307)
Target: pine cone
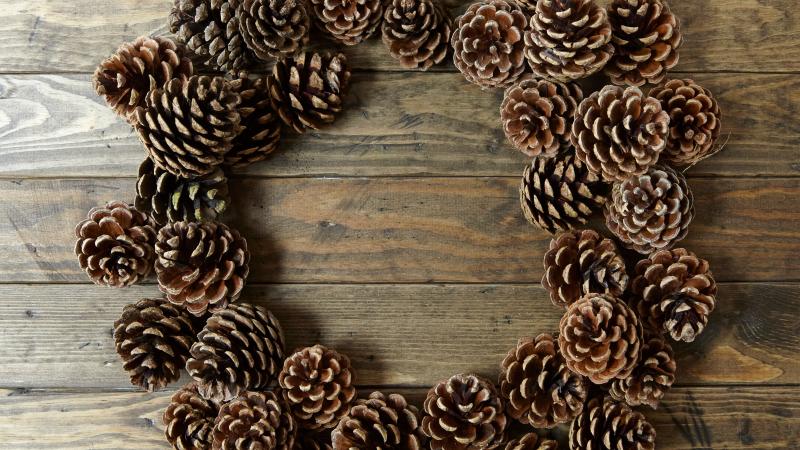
(651, 379)
(307, 91)
(126, 76)
(307, 440)
(274, 28)
(202, 266)
(416, 32)
(528, 7)
(609, 425)
(538, 387)
(568, 39)
(675, 292)
(487, 43)
(240, 348)
(379, 422)
(694, 125)
(317, 383)
(210, 29)
(560, 193)
(255, 420)
(619, 133)
(537, 115)
(260, 126)
(347, 21)
(600, 338)
(115, 245)
(650, 212)
(646, 36)
(464, 412)
(189, 125)
(582, 262)
(531, 441)
(189, 419)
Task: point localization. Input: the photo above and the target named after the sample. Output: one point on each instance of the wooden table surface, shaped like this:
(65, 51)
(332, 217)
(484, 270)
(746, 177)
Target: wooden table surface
(394, 236)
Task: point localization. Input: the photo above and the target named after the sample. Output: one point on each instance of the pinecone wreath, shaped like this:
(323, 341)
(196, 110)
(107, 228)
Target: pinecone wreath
(210, 30)
(379, 422)
(416, 32)
(531, 441)
(189, 419)
(254, 420)
(651, 378)
(347, 21)
(274, 28)
(260, 125)
(608, 425)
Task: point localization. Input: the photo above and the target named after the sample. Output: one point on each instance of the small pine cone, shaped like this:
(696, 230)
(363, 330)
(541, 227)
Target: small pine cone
(531, 441)
(609, 425)
(115, 245)
(240, 348)
(651, 378)
(379, 422)
(189, 419)
(260, 126)
(675, 292)
(582, 262)
(255, 420)
(560, 193)
(568, 40)
(600, 338)
(308, 91)
(317, 383)
(202, 266)
(346, 21)
(464, 412)
(416, 32)
(210, 29)
(307, 440)
(537, 115)
(126, 76)
(189, 125)
(650, 212)
(538, 387)
(619, 132)
(646, 36)
(694, 125)
(274, 28)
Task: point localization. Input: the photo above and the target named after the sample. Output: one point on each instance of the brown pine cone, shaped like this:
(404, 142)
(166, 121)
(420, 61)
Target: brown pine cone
(202, 266)
(528, 7)
(582, 262)
(347, 21)
(115, 245)
(124, 79)
(210, 29)
(537, 115)
(260, 126)
(694, 125)
(646, 36)
(600, 338)
(538, 387)
(464, 412)
(609, 425)
(568, 39)
(675, 292)
(240, 348)
(307, 440)
(189, 125)
(560, 193)
(274, 28)
(531, 441)
(416, 32)
(317, 384)
(189, 419)
(651, 378)
(307, 91)
(650, 212)
(619, 132)
(379, 422)
(487, 43)
(255, 420)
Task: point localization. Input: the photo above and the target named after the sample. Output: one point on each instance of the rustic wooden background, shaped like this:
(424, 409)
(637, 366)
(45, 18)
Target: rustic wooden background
(394, 236)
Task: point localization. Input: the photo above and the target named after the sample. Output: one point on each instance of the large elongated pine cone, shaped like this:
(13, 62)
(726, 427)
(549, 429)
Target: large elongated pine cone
(416, 32)
(210, 29)
(606, 424)
(274, 28)
(651, 378)
(646, 36)
(255, 420)
(189, 419)
(241, 348)
(260, 125)
(531, 441)
(189, 125)
(619, 132)
(650, 212)
(347, 21)
(115, 245)
(464, 412)
(380, 422)
(538, 387)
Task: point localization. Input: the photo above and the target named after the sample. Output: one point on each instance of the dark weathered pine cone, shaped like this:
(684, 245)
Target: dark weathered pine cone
(600, 338)
(124, 78)
(487, 43)
(537, 115)
(538, 387)
(646, 36)
(675, 292)
(347, 21)
(115, 245)
(694, 125)
(317, 384)
(568, 39)
(379, 422)
(255, 420)
(240, 348)
(651, 378)
(307, 440)
(189, 419)
(308, 91)
(531, 441)
(582, 262)
(260, 126)
(210, 29)
(274, 28)
(560, 193)
(416, 32)
(608, 425)
(619, 132)
(652, 211)
(464, 412)
(189, 125)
